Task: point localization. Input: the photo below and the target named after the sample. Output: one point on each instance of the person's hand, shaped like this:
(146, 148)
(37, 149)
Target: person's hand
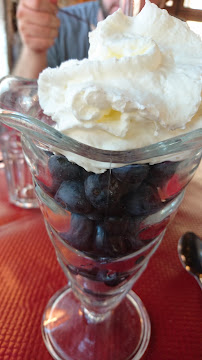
(37, 23)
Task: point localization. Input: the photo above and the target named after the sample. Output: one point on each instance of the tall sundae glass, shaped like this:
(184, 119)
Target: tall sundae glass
(104, 227)
(106, 207)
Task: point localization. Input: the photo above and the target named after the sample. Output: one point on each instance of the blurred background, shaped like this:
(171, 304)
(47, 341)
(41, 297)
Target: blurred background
(187, 10)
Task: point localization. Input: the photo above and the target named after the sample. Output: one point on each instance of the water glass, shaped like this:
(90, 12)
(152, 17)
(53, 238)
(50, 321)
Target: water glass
(19, 179)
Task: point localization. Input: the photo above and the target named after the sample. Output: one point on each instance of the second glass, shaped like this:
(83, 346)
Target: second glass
(19, 178)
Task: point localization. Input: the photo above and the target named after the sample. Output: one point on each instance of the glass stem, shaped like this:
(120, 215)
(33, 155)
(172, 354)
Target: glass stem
(94, 317)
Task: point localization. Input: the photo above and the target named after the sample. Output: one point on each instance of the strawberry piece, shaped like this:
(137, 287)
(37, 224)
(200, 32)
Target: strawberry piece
(44, 178)
(151, 232)
(172, 187)
(60, 221)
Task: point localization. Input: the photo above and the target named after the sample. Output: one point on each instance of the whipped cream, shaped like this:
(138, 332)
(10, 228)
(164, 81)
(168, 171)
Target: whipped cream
(141, 84)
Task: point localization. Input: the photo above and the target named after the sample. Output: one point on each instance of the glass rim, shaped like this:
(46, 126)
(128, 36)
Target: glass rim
(45, 134)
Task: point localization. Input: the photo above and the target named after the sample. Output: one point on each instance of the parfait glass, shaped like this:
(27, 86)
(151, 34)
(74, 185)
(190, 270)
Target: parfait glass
(104, 227)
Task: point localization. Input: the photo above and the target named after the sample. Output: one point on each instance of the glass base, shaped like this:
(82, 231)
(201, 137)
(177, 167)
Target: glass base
(69, 335)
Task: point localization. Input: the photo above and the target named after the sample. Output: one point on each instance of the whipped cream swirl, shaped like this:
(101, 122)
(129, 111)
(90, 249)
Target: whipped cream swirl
(141, 84)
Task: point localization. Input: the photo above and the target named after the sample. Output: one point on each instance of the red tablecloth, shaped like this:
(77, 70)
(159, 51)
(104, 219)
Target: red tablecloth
(30, 275)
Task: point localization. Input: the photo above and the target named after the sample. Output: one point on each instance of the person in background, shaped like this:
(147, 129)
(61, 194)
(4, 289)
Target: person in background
(50, 37)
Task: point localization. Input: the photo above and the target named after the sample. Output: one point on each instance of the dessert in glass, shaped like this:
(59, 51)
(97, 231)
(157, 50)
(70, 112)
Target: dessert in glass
(110, 169)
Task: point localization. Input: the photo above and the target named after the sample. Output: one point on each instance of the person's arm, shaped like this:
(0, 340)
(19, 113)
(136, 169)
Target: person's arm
(38, 28)
(30, 63)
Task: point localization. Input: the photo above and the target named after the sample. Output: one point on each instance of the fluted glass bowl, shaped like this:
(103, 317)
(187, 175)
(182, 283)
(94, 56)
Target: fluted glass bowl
(104, 227)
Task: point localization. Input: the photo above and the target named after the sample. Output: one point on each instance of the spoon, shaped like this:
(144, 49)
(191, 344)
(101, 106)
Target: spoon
(190, 254)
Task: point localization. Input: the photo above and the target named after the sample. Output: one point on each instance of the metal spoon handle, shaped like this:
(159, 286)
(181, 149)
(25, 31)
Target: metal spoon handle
(190, 255)
(199, 280)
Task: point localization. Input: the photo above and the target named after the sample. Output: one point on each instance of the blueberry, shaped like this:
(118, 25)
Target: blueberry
(95, 215)
(117, 237)
(118, 225)
(136, 243)
(133, 229)
(100, 241)
(160, 173)
(103, 191)
(134, 224)
(142, 202)
(71, 196)
(110, 245)
(80, 234)
(133, 174)
(108, 277)
(118, 245)
(61, 169)
(111, 278)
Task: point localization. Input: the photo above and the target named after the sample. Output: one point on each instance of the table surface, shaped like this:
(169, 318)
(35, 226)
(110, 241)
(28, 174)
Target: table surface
(30, 275)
